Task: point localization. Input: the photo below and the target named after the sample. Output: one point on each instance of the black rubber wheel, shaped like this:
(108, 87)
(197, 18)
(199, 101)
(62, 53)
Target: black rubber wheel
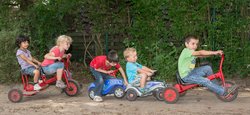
(159, 94)
(15, 95)
(91, 93)
(170, 95)
(73, 89)
(119, 92)
(232, 96)
(131, 95)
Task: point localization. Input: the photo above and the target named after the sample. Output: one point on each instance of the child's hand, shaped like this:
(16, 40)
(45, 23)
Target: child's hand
(69, 54)
(110, 71)
(218, 52)
(59, 58)
(36, 66)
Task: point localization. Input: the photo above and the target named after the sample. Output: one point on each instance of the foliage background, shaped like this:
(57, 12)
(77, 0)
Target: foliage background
(156, 28)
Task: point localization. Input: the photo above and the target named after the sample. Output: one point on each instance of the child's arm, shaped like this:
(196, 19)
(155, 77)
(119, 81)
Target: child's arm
(203, 53)
(27, 60)
(51, 56)
(104, 71)
(146, 70)
(36, 61)
(123, 75)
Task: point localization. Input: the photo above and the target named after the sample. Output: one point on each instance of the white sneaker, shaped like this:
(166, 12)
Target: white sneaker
(98, 99)
(37, 87)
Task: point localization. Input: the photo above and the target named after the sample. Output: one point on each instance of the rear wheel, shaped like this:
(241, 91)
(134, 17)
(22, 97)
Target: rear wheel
(171, 95)
(119, 92)
(232, 96)
(131, 95)
(73, 88)
(15, 95)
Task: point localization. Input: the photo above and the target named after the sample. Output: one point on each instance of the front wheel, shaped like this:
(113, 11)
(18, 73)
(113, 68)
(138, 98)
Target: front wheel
(72, 88)
(15, 95)
(131, 95)
(232, 96)
(119, 92)
(171, 95)
(159, 94)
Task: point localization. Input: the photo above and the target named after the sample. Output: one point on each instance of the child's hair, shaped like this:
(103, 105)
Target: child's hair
(20, 39)
(63, 38)
(189, 37)
(112, 56)
(128, 51)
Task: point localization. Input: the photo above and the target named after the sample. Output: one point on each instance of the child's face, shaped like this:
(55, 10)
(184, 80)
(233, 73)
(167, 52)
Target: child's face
(24, 45)
(192, 44)
(65, 45)
(132, 57)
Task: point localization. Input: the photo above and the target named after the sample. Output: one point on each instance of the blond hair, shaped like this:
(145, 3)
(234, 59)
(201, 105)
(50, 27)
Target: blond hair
(63, 38)
(128, 51)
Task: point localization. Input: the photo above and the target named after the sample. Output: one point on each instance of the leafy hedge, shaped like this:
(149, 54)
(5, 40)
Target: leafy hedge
(154, 27)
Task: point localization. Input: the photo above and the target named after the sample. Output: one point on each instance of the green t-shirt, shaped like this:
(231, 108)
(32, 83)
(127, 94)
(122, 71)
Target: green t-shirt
(186, 62)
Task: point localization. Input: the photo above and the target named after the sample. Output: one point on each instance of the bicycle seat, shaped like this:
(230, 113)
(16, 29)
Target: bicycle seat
(180, 81)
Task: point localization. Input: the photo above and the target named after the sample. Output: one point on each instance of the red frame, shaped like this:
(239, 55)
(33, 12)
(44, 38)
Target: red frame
(182, 88)
(29, 88)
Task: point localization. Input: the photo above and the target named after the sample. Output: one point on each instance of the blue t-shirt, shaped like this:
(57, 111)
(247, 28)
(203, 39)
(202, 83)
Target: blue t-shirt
(131, 70)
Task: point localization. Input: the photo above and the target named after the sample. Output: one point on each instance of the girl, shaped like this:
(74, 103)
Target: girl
(52, 62)
(26, 61)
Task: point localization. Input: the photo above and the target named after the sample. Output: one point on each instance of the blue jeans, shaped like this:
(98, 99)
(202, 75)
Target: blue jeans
(51, 69)
(196, 76)
(29, 70)
(99, 80)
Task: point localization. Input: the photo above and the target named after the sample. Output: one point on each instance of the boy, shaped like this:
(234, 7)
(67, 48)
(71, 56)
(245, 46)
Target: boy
(190, 74)
(137, 74)
(26, 61)
(100, 67)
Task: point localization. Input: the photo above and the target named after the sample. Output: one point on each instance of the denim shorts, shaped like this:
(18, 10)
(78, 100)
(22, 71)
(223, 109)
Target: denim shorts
(29, 70)
(51, 69)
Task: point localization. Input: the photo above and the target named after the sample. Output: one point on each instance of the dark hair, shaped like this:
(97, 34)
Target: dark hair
(112, 56)
(20, 39)
(189, 37)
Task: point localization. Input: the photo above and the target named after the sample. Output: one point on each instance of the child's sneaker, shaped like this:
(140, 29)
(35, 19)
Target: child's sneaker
(98, 99)
(60, 84)
(37, 87)
(230, 90)
(143, 90)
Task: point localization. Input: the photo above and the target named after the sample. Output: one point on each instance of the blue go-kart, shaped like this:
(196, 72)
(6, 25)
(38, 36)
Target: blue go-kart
(156, 88)
(111, 86)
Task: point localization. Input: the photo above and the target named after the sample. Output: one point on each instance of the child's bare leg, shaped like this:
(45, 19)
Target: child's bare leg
(143, 80)
(59, 74)
(36, 75)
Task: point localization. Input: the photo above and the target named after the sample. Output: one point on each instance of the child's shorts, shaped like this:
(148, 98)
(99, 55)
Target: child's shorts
(136, 81)
(51, 69)
(29, 70)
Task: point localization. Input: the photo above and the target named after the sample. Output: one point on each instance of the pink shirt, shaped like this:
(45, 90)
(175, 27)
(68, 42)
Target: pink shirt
(57, 53)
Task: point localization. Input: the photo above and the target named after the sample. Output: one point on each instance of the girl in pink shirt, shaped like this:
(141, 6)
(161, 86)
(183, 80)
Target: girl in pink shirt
(52, 60)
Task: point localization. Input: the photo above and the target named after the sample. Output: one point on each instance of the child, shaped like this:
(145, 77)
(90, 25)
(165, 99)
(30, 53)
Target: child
(190, 74)
(100, 68)
(26, 61)
(52, 62)
(137, 74)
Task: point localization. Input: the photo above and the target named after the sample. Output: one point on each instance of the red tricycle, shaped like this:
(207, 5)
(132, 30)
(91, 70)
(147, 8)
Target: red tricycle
(72, 89)
(172, 94)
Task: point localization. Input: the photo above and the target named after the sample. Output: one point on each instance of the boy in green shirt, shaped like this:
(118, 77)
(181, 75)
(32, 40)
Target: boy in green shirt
(190, 74)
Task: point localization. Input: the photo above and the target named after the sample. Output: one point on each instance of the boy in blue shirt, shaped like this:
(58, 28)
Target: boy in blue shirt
(137, 74)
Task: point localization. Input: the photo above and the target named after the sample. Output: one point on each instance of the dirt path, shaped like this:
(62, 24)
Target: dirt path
(52, 102)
